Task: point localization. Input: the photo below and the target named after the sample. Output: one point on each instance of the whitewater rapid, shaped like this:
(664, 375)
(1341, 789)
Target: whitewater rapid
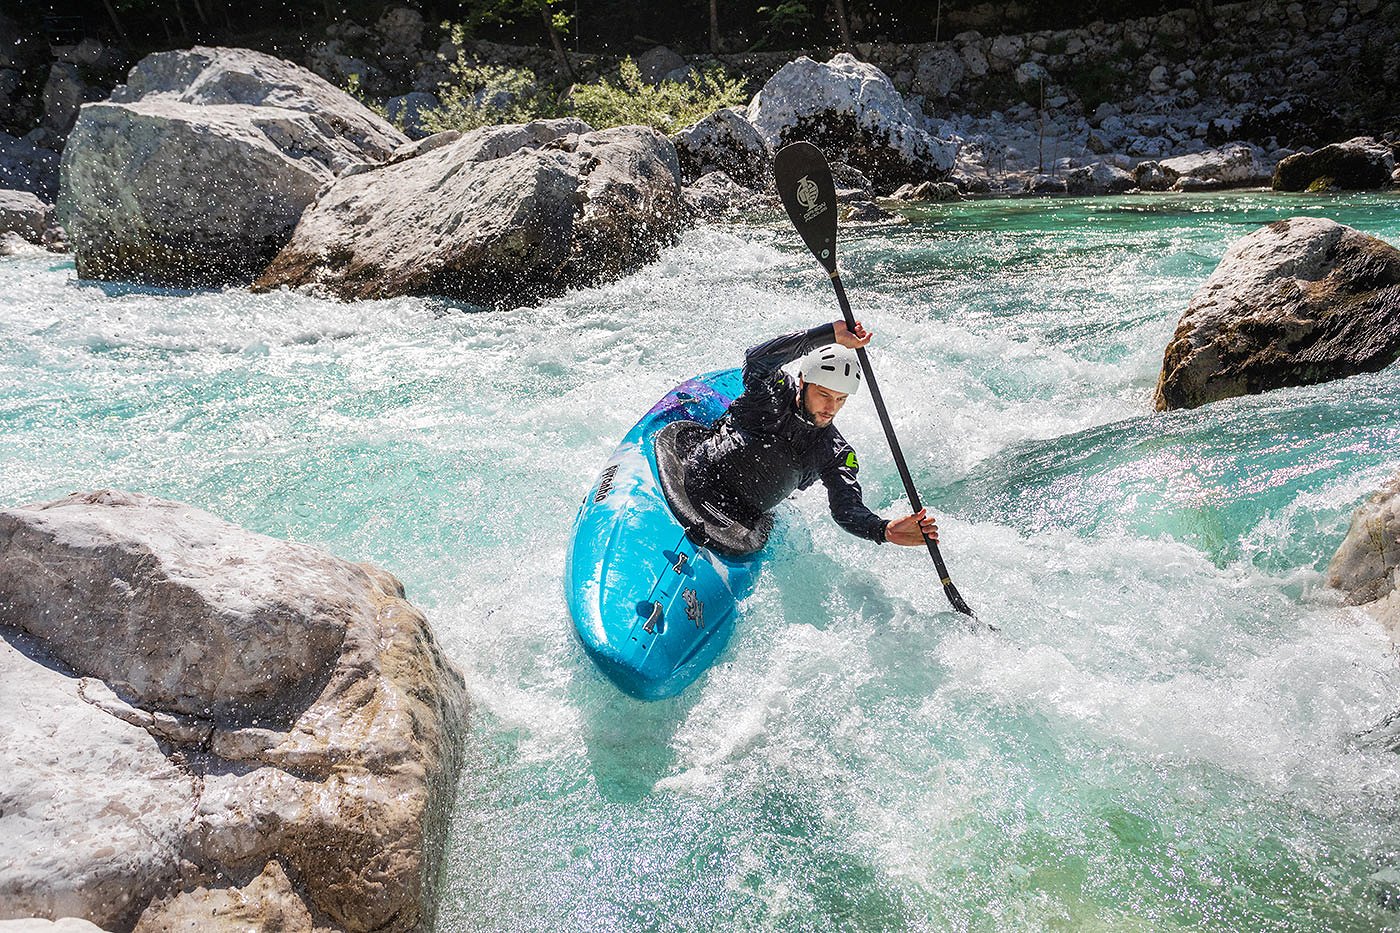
(1168, 732)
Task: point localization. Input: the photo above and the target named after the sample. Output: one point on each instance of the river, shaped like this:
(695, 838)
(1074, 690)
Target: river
(1166, 733)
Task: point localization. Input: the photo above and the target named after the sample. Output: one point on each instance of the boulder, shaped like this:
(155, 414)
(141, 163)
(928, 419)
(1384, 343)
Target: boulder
(491, 230)
(1148, 176)
(27, 167)
(1233, 165)
(1098, 178)
(37, 925)
(64, 93)
(1367, 565)
(851, 110)
(1042, 183)
(725, 141)
(129, 801)
(12, 244)
(1297, 302)
(659, 64)
(1356, 164)
(866, 212)
(937, 73)
(23, 213)
(255, 137)
(936, 191)
(715, 194)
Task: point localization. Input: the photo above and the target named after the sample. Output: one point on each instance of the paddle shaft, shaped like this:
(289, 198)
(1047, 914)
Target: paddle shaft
(952, 592)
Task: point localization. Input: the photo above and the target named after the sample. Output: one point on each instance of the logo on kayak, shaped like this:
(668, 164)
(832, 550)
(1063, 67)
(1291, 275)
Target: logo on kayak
(605, 485)
(694, 608)
(807, 194)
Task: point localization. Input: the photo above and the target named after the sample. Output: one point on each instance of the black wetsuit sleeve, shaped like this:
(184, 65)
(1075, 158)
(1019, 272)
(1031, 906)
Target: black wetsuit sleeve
(762, 362)
(847, 503)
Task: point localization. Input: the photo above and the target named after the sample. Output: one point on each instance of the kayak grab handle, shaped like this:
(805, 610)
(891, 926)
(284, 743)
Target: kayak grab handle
(678, 561)
(653, 613)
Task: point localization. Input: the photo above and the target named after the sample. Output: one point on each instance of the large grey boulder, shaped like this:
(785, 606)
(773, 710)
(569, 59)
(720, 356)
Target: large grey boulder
(851, 110)
(727, 142)
(197, 169)
(715, 194)
(1297, 302)
(129, 800)
(23, 213)
(1232, 165)
(1356, 164)
(491, 229)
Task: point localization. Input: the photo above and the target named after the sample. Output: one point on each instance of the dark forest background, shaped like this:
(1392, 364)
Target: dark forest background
(615, 26)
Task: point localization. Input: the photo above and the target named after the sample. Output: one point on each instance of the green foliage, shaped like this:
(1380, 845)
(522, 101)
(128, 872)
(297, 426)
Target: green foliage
(484, 95)
(667, 106)
(783, 22)
(506, 12)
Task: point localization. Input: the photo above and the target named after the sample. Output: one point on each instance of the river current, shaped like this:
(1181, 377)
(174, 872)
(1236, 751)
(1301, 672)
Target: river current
(1167, 733)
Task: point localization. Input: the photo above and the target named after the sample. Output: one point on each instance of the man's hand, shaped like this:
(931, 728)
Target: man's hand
(910, 529)
(850, 340)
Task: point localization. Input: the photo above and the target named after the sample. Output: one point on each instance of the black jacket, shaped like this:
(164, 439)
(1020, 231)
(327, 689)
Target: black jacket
(764, 447)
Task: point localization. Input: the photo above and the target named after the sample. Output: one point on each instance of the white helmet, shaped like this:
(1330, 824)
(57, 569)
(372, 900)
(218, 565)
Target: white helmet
(834, 367)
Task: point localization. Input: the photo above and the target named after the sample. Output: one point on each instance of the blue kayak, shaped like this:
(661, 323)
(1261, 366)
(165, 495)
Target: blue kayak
(653, 607)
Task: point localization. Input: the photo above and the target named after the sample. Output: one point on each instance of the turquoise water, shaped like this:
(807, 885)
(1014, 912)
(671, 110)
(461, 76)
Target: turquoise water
(1163, 736)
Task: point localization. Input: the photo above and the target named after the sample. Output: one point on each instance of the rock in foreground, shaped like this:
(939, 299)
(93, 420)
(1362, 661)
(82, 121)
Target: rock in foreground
(491, 228)
(851, 110)
(197, 169)
(202, 723)
(1298, 302)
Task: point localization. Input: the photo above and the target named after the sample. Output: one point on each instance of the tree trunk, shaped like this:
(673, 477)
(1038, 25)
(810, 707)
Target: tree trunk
(200, 10)
(554, 40)
(180, 18)
(845, 24)
(121, 33)
(714, 27)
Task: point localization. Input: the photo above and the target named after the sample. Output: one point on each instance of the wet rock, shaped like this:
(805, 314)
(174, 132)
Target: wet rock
(1297, 302)
(715, 194)
(64, 93)
(426, 144)
(1148, 176)
(1367, 565)
(27, 167)
(934, 191)
(267, 903)
(866, 212)
(725, 141)
(12, 244)
(23, 213)
(851, 110)
(254, 136)
(1229, 166)
(36, 925)
(1356, 164)
(1098, 178)
(492, 230)
(329, 796)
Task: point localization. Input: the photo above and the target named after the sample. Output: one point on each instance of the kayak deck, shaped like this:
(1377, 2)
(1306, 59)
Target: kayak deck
(651, 607)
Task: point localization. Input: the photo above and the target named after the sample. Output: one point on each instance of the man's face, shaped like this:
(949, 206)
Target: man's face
(821, 404)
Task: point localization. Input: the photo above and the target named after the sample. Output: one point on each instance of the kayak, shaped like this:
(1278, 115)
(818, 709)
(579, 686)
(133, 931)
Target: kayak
(653, 583)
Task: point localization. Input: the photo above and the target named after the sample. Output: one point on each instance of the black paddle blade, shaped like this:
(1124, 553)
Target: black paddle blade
(804, 183)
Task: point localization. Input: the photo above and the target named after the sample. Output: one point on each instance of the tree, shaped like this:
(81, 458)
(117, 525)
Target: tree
(844, 23)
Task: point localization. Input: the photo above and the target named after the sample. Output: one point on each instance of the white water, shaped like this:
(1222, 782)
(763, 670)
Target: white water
(1164, 735)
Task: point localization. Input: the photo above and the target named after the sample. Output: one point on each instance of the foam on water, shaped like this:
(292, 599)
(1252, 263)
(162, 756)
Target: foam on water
(1165, 735)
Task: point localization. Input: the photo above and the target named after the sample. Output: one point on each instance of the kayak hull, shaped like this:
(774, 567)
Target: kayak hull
(651, 608)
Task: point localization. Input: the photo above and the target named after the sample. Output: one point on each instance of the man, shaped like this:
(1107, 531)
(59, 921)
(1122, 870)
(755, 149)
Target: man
(777, 437)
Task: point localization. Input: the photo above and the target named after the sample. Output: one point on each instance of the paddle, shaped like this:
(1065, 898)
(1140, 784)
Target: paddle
(804, 183)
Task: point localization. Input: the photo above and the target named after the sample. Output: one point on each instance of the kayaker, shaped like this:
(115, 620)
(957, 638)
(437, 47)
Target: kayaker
(778, 437)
